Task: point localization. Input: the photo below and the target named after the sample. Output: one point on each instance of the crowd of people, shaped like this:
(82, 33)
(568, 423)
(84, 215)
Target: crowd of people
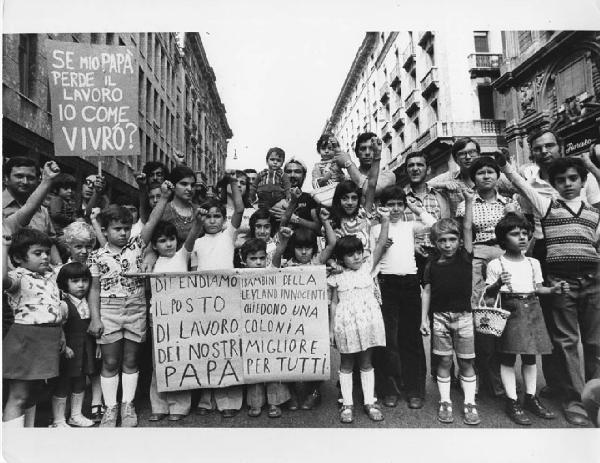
(403, 263)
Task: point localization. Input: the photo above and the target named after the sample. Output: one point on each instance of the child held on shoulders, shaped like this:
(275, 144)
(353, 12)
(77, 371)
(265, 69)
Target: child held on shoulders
(326, 171)
(519, 281)
(271, 185)
(119, 312)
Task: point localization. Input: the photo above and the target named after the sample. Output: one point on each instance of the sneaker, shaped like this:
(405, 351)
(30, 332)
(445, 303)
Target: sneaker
(80, 421)
(97, 413)
(532, 403)
(347, 414)
(373, 412)
(516, 413)
(471, 417)
(61, 424)
(445, 413)
(128, 416)
(109, 419)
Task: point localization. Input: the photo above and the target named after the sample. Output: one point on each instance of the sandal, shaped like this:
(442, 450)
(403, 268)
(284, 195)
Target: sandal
(274, 411)
(373, 412)
(254, 412)
(347, 414)
(157, 416)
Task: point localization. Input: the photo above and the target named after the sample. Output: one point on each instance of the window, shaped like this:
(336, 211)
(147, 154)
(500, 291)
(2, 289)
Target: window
(110, 38)
(571, 80)
(481, 42)
(95, 38)
(121, 43)
(525, 40)
(141, 89)
(27, 58)
(434, 111)
(148, 101)
(417, 129)
(486, 101)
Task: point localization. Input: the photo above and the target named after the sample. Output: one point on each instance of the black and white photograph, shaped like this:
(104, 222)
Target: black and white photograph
(280, 234)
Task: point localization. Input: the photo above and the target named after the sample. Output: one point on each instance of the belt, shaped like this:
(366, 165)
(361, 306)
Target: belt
(519, 295)
(487, 243)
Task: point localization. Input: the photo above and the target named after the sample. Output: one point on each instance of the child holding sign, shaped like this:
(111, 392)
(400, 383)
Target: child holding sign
(164, 242)
(119, 316)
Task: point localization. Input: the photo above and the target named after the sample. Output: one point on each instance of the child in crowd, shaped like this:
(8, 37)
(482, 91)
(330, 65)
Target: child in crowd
(254, 255)
(356, 323)
(403, 358)
(447, 294)
(175, 405)
(263, 226)
(213, 251)
(31, 349)
(271, 185)
(119, 313)
(326, 171)
(571, 229)
(62, 207)
(519, 280)
(74, 281)
(302, 244)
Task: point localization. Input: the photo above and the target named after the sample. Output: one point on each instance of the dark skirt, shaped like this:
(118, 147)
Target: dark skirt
(525, 331)
(82, 344)
(31, 352)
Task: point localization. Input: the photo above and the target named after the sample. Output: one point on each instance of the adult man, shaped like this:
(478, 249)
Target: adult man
(364, 153)
(156, 173)
(21, 177)
(251, 174)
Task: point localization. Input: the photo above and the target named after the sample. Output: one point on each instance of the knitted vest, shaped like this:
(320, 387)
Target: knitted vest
(570, 236)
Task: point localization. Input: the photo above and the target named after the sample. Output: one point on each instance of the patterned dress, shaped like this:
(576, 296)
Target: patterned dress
(358, 323)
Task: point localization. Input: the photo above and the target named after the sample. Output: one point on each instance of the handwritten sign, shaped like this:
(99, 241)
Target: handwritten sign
(222, 328)
(94, 99)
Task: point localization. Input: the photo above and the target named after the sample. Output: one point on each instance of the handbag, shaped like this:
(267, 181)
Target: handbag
(490, 320)
(324, 195)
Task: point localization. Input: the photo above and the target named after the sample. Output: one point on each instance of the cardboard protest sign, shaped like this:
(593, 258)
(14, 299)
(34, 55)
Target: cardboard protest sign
(94, 99)
(222, 328)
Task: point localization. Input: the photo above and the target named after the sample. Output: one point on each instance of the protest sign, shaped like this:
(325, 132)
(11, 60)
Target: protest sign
(94, 99)
(222, 328)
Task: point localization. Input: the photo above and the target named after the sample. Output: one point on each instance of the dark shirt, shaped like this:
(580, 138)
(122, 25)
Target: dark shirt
(451, 283)
(306, 204)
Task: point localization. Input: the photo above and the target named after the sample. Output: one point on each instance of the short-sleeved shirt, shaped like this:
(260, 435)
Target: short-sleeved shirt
(177, 263)
(215, 251)
(433, 203)
(486, 215)
(524, 274)
(359, 225)
(40, 220)
(306, 204)
(451, 283)
(110, 267)
(34, 298)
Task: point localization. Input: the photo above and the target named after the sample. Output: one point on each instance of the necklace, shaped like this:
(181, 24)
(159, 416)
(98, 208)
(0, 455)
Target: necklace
(182, 218)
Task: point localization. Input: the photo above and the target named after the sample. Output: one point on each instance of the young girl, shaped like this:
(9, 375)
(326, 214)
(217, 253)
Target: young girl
(74, 281)
(519, 280)
(356, 322)
(303, 249)
(31, 348)
(263, 227)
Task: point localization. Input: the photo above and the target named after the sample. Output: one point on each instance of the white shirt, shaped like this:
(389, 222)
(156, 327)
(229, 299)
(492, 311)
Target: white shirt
(177, 263)
(523, 273)
(82, 307)
(137, 228)
(215, 252)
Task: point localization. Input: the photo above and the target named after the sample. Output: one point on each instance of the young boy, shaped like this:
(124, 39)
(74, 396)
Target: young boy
(271, 185)
(401, 302)
(213, 251)
(447, 294)
(175, 405)
(119, 309)
(253, 254)
(571, 229)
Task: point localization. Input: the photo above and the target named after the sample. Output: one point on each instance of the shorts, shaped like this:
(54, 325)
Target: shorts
(453, 332)
(123, 318)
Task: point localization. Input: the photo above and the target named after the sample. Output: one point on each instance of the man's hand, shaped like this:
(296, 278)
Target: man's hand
(140, 179)
(99, 183)
(286, 233)
(376, 145)
(502, 156)
(341, 159)
(50, 171)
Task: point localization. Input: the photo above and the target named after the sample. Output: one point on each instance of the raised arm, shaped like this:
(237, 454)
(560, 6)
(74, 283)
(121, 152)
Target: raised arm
(166, 190)
(292, 204)
(238, 202)
(330, 236)
(285, 234)
(197, 229)
(586, 157)
(96, 227)
(380, 245)
(254, 187)
(373, 174)
(99, 185)
(467, 222)
(7, 282)
(143, 194)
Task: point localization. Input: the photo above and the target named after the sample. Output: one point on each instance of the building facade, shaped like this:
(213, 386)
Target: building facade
(169, 111)
(419, 91)
(550, 79)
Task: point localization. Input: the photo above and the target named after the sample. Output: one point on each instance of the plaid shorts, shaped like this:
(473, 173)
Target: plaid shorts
(453, 332)
(123, 318)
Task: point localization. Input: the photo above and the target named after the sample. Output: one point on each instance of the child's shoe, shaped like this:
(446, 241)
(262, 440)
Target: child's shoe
(128, 415)
(292, 404)
(97, 413)
(254, 412)
(109, 419)
(445, 413)
(471, 417)
(347, 414)
(80, 421)
(516, 413)
(373, 412)
(60, 424)
(274, 411)
(532, 403)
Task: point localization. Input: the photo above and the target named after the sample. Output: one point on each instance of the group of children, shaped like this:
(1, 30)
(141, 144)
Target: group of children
(88, 317)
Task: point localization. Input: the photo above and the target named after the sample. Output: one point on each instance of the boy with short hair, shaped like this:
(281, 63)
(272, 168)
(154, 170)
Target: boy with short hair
(571, 229)
(271, 185)
(447, 293)
(119, 313)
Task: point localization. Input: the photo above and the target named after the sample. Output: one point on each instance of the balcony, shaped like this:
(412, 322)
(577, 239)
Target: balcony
(384, 93)
(386, 131)
(408, 57)
(398, 118)
(484, 64)
(430, 82)
(411, 103)
(425, 38)
(395, 76)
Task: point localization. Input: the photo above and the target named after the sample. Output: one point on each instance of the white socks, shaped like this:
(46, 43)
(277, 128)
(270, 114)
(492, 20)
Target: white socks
(469, 385)
(109, 389)
(30, 417)
(76, 404)
(444, 388)
(346, 387)
(529, 373)
(96, 391)
(129, 382)
(58, 409)
(509, 381)
(367, 379)
(18, 422)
